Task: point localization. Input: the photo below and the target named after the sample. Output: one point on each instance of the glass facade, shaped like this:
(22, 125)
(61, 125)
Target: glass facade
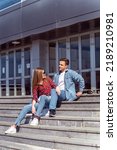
(6, 3)
(97, 50)
(74, 53)
(61, 49)
(52, 57)
(15, 76)
(80, 52)
(85, 53)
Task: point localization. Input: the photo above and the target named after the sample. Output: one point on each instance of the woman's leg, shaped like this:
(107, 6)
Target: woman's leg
(24, 111)
(39, 107)
(41, 104)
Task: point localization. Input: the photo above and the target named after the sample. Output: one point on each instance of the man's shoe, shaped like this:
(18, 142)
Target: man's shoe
(11, 130)
(34, 122)
(52, 113)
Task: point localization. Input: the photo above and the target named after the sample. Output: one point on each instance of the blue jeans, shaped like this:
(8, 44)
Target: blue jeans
(62, 96)
(45, 101)
(26, 109)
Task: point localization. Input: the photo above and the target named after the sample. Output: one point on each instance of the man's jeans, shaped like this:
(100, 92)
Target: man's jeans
(62, 96)
(44, 101)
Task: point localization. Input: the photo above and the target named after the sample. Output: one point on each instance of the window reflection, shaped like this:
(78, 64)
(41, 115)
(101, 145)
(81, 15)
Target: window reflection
(3, 88)
(7, 3)
(85, 51)
(74, 55)
(11, 64)
(18, 87)
(62, 49)
(27, 62)
(52, 57)
(3, 66)
(27, 86)
(97, 79)
(97, 50)
(87, 78)
(18, 63)
(11, 87)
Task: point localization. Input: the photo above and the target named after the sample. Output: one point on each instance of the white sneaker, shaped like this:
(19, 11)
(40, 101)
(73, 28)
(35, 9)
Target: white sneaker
(34, 122)
(10, 130)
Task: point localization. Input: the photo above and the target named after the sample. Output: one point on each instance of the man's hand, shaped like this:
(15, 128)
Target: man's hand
(58, 90)
(78, 94)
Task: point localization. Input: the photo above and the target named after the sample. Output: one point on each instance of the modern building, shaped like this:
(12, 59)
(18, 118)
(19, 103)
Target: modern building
(38, 32)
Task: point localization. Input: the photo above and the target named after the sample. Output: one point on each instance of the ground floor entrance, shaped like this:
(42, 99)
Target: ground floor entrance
(17, 64)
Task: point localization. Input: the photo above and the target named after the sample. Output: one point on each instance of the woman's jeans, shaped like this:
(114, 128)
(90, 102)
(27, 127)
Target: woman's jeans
(44, 101)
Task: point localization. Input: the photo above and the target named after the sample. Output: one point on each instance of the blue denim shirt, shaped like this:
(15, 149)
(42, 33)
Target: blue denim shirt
(71, 77)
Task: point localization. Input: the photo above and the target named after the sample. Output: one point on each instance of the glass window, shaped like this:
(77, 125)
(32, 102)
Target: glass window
(11, 87)
(97, 79)
(18, 63)
(18, 87)
(27, 62)
(87, 78)
(62, 49)
(97, 50)
(52, 57)
(7, 3)
(11, 64)
(85, 51)
(3, 88)
(3, 66)
(27, 86)
(74, 55)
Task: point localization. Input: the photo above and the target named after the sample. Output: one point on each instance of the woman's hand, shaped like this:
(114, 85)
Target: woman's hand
(33, 109)
(58, 90)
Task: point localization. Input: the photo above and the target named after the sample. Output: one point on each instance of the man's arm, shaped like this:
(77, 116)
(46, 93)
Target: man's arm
(77, 78)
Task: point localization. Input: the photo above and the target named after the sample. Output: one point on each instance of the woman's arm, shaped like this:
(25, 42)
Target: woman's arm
(33, 106)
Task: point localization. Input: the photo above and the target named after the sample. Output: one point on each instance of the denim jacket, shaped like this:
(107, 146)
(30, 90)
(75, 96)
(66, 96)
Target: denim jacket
(70, 79)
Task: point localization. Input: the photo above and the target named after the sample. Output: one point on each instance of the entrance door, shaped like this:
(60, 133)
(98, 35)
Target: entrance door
(15, 74)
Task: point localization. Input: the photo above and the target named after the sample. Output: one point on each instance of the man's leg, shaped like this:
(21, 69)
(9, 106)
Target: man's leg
(53, 103)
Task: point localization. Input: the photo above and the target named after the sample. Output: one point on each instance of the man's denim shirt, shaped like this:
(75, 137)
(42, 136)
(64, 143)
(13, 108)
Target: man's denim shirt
(71, 77)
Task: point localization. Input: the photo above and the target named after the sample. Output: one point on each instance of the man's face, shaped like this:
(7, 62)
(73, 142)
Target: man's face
(62, 66)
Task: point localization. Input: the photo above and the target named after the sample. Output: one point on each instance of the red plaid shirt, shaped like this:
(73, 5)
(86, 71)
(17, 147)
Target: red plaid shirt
(44, 89)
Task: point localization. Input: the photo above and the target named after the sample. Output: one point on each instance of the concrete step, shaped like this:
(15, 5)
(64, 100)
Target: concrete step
(50, 141)
(65, 104)
(80, 104)
(62, 131)
(80, 112)
(25, 100)
(87, 112)
(29, 98)
(8, 145)
(59, 120)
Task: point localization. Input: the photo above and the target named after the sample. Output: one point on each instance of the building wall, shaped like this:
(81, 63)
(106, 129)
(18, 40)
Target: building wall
(38, 16)
(71, 29)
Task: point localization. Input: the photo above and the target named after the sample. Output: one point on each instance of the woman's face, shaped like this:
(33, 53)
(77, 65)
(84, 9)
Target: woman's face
(43, 74)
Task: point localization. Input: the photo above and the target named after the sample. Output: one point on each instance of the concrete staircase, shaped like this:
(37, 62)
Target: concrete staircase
(75, 127)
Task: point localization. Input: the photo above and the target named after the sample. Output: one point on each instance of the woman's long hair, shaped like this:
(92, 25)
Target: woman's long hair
(37, 77)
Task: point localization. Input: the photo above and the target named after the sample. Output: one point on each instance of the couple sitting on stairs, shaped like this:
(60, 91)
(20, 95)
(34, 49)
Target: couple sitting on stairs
(50, 92)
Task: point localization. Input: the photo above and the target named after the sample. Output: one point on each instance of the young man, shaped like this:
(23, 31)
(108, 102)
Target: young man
(65, 80)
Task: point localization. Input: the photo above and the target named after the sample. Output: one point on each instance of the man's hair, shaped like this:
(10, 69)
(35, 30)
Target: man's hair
(65, 60)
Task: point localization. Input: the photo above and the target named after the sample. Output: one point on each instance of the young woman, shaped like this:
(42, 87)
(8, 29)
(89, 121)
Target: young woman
(44, 93)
